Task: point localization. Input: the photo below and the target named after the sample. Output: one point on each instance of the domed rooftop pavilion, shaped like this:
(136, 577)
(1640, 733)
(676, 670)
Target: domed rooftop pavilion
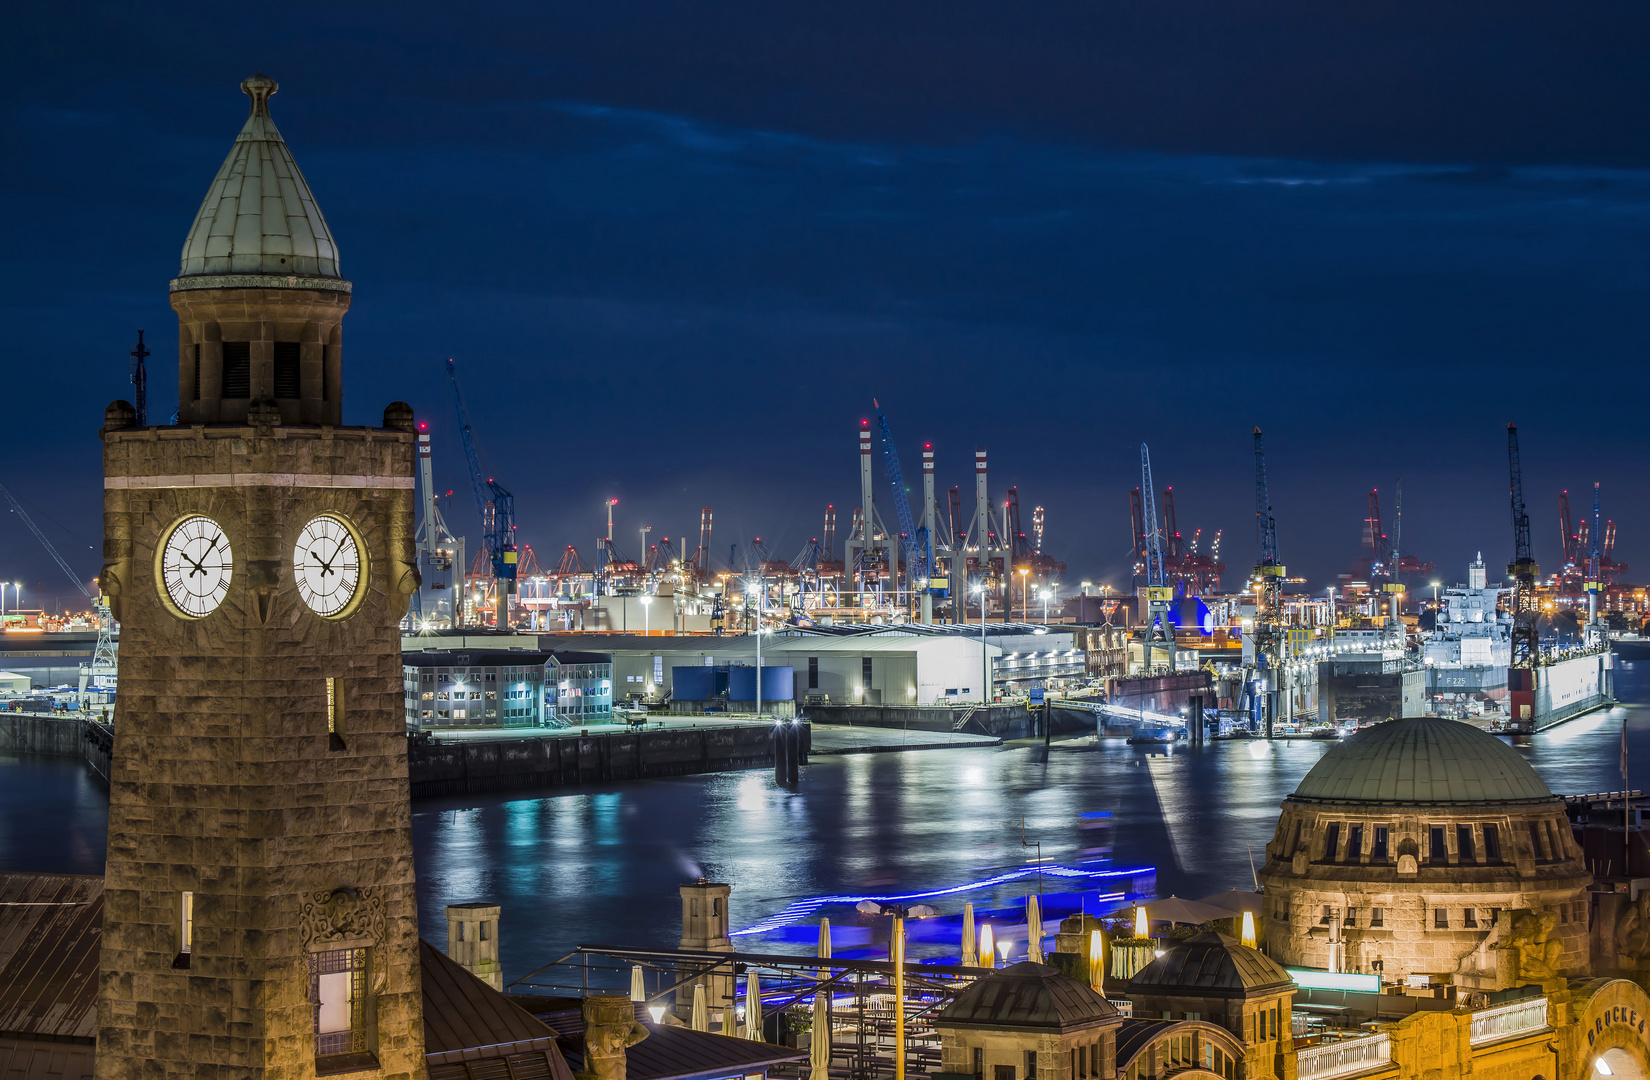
(259, 294)
(1404, 845)
(1424, 760)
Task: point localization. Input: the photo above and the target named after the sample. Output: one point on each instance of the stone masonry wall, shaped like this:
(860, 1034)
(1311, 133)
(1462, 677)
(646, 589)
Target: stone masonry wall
(224, 781)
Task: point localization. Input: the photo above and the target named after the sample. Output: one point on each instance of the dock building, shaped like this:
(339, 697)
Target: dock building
(511, 688)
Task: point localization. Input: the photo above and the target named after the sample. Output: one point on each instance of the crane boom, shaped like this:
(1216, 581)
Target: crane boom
(1523, 570)
(919, 555)
(495, 504)
(47, 544)
(1158, 593)
(1263, 508)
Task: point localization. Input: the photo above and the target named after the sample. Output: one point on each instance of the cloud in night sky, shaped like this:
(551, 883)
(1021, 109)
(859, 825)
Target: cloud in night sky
(677, 254)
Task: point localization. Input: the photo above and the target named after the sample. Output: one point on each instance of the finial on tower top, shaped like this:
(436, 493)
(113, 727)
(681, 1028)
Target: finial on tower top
(258, 88)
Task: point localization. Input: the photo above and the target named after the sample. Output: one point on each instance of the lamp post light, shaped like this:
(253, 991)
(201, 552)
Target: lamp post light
(1435, 599)
(985, 656)
(1045, 606)
(647, 602)
(1025, 598)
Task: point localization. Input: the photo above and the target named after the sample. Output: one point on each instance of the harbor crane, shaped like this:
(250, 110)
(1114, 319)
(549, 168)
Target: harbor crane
(1526, 643)
(918, 547)
(1595, 631)
(103, 668)
(1269, 573)
(497, 508)
(1158, 592)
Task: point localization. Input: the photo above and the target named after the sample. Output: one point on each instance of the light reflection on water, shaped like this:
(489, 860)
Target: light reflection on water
(602, 867)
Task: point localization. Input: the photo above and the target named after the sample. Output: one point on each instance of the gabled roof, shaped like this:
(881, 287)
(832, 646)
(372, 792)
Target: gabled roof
(678, 1053)
(1212, 964)
(1027, 996)
(259, 216)
(466, 1020)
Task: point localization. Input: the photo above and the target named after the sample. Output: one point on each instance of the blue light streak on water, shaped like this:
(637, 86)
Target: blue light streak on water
(801, 909)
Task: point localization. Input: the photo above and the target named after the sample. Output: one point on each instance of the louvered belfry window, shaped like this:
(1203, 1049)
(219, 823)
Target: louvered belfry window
(237, 369)
(286, 369)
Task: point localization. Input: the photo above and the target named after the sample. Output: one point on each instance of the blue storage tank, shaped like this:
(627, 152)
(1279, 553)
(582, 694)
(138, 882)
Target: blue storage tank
(778, 684)
(692, 683)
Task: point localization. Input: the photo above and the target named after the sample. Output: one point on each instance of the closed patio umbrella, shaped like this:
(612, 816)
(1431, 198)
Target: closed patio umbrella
(1034, 930)
(753, 1007)
(730, 1027)
(819, 1051)
(701, 1008)
(970, 950)
(638, 992)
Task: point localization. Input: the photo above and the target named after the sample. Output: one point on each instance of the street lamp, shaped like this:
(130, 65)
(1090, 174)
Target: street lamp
(985, 657)
(647, 601)
(1045, 606)
(1025, 600)
(1435, 599)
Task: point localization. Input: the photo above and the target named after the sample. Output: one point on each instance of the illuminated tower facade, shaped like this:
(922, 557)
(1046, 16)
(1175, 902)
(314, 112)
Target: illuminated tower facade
(260, 911)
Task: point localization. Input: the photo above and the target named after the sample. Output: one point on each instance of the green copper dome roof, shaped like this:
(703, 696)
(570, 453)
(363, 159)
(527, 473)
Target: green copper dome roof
(259, 216)
(1422, 760)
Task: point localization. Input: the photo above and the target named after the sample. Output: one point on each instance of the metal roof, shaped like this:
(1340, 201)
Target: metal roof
(259, 216)
(674, 1053)
(466, 1020)
(1213, 964)
(1422, 760)
(1027, 996)
(51, 927)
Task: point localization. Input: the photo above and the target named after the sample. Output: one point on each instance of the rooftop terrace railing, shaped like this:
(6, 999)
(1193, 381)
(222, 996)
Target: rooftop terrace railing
(1504, 1021)
(1345, 1057)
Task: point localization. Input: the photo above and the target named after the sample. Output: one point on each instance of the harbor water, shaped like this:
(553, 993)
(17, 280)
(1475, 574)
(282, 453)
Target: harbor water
(601, 866)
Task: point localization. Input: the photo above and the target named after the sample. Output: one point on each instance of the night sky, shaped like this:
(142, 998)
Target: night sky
(677, 248)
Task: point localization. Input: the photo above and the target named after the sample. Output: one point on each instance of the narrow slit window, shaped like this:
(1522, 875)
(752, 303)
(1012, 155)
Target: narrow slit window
(1463, 843)
(1378, 852)
(197, 396)
(1332, 841)
(1492, 844)
(1535, 841)
(335, 714)
(1355, 843)
(1437, 854)
(186, 923)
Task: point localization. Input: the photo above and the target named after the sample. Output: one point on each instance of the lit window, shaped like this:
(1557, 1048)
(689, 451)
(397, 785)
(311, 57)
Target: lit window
(186, 923)
(337, 985)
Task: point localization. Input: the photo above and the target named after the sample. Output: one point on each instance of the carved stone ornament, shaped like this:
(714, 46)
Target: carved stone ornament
(340, 916)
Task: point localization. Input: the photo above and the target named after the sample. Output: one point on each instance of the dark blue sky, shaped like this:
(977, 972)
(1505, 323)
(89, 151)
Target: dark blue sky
(677, 249)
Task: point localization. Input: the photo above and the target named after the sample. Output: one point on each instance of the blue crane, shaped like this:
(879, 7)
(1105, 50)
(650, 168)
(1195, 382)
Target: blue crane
(919, 551)
(1158, 591)
(494, 503)
(1269, 619)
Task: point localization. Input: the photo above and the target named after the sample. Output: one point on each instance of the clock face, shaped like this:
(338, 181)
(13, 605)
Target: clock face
(327, 564)
(195, 564)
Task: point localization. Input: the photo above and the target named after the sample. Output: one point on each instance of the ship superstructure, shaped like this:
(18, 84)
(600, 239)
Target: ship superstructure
(1466, 656)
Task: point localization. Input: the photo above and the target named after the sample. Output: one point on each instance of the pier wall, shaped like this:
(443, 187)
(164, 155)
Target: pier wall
(1002, 721)
(41, 734)
(471, 767)
(1569, 688)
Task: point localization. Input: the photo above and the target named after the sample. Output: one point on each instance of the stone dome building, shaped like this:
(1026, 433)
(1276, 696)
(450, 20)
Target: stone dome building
(1427, 847)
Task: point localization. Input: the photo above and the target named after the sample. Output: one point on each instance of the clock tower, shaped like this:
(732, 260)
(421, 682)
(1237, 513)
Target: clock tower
(260, 916)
